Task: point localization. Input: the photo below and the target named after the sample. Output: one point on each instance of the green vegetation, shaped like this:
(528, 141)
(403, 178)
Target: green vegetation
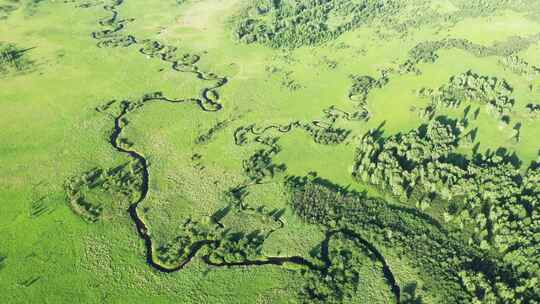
(469, 86)
(8, 7)
(85, 192)
(348, 258)
(296, 23)
(206, 137)
(459, 273)
(291, 151)
(520, 66)
(13, 60)
(533, 109)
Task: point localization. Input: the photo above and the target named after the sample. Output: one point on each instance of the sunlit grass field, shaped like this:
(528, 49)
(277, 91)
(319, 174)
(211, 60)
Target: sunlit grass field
(50, 131)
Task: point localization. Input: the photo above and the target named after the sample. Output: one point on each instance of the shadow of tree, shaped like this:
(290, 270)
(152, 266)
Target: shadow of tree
(410, 296)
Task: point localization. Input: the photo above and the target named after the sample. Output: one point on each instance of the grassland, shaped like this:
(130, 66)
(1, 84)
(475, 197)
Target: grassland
(254, 151)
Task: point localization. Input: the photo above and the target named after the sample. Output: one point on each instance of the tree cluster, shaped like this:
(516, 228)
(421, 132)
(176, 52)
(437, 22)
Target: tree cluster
(122, 181)
(291, 24)
(533, 108)
(341, 275)
(179, 249)
(402, 163)
(460, 272)
(13, 59)
(333, 113)
(363, 84)
(260, 164)
(519, 66)
(427, 52)
(327, 135)
(207, 136)
(237, 248)
(322, 133)
(469, 86)
(495, 205)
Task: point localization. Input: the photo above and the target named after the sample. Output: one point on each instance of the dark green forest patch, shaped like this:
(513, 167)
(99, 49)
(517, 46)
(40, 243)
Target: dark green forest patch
(295, 23)
(493, 200)
(457, 271)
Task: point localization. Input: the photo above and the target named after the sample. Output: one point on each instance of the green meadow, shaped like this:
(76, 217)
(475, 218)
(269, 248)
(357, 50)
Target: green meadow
(269, 151)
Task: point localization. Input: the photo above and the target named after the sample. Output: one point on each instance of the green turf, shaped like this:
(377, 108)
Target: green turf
(55, 78)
